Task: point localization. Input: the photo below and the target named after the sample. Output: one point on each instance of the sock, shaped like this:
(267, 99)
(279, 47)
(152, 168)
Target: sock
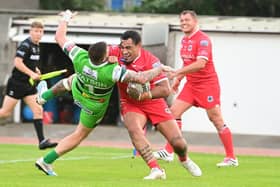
(226, 138)
(168, 147)
(38, 125)
(183, 158)
(47, 95)
(51, 157)
(153, 164)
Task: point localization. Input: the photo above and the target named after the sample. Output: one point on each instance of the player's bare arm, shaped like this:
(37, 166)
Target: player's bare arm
(193, 67)
(145, 76)
(18, 62)
(161, 90)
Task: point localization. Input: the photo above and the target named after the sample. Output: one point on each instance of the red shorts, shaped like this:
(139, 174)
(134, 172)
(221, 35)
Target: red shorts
(156, 111)
(204, 96)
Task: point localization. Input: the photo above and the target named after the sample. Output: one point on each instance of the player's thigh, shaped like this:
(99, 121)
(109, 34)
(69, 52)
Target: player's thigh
(8, 105)
(169, 129)
(37, 109)
(134, 122)
(178, 107)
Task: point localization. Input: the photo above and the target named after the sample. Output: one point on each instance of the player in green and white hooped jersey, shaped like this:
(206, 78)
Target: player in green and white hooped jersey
(91, 86)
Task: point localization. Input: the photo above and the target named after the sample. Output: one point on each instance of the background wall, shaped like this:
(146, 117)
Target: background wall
(20, 4)
(248, 69)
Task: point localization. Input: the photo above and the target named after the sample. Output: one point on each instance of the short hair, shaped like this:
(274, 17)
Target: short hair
(97, 52)
(37, 24)
(133, 35)
(191, 12)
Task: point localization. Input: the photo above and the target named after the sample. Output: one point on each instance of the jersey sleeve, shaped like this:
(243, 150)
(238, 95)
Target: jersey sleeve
(204, 48)
(119, 73)
(72, 50)
(23, 50)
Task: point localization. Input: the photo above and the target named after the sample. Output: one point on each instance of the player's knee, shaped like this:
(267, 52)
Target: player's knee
(215, 118)
(37, 112)
(134, 132)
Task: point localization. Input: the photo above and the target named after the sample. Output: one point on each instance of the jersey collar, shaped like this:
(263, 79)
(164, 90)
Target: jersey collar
(192, 34)
(100, 65)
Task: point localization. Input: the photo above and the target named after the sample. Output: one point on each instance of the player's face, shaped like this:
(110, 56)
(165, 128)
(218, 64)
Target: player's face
(188, 23)
(129, 50)
(36, 34)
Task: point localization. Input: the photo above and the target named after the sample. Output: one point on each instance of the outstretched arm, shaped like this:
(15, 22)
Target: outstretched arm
(60, 35)
(145, 76)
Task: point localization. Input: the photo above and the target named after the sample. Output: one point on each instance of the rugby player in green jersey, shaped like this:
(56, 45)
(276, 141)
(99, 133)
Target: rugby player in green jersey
(91, 86)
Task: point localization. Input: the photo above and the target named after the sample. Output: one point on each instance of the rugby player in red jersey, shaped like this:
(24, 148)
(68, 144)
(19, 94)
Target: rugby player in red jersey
(202, 88)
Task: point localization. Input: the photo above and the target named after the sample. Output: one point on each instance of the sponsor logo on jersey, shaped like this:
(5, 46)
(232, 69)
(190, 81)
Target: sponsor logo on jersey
(90, 72)
(34, 57)
(33, 50)
(167, 110)
(204, 43)
(210, 98)
(188, 57)
(11, 92)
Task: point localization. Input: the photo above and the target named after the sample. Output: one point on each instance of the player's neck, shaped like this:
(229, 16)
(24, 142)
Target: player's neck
(191, 33)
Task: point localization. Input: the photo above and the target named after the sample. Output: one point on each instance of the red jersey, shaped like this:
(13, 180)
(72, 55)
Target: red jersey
(198, 45)
(145, 61)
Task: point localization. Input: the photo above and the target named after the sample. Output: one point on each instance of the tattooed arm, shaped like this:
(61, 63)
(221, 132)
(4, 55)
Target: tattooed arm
(145, 76)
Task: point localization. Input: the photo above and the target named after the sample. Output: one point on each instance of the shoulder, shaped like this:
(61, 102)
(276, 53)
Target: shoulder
(203, 35)
(149, 58)
(72, 50)
(25, 43)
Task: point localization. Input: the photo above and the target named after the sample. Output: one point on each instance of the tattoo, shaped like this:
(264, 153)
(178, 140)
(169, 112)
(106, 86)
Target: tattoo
(142, 77)
(181, 151)
(59, 89)
(146, 153)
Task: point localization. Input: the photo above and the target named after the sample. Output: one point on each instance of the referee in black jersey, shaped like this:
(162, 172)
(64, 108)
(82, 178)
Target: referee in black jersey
(26, 64)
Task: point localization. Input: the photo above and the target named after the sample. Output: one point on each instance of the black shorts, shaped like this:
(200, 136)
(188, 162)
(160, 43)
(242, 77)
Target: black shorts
(19, 89)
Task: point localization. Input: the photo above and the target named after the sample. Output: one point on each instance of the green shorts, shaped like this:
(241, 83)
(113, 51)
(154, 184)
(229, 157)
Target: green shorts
(92, 111)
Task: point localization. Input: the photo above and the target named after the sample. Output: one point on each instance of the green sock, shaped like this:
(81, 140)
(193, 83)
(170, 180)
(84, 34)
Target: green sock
(51, 157)
(47, 95)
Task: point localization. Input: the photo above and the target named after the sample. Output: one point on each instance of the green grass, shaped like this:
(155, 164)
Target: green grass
(104, 167)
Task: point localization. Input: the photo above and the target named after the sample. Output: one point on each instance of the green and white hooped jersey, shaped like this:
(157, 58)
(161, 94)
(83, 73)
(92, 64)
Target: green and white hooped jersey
(94, 80)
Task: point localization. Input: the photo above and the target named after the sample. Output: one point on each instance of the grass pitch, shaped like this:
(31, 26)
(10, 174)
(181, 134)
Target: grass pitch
(106, 167)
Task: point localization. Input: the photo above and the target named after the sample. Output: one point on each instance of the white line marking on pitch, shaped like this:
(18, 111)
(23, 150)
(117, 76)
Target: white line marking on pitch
(67, 158)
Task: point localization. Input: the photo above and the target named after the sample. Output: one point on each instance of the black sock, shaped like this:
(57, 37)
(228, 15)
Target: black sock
(38, 125)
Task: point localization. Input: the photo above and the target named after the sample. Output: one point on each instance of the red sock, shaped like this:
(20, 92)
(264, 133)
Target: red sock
(168, 147)
(226, 138)
(183, 159)
(153, 164)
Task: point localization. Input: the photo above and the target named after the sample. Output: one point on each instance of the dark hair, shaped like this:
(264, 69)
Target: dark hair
(191, 12)
(133, 35)
(37, 24)
(97, 52)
